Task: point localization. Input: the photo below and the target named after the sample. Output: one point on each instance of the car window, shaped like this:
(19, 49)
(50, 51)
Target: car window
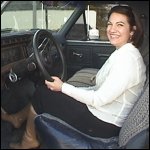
(94, 26)
(27, 15)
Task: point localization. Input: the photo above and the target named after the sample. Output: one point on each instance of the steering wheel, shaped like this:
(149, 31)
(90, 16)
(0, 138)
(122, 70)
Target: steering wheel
(42, 51)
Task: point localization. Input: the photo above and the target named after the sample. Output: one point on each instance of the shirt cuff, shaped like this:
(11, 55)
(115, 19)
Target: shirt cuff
(66, 88)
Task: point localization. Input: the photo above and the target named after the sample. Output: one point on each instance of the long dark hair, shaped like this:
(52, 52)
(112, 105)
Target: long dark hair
(133, 20)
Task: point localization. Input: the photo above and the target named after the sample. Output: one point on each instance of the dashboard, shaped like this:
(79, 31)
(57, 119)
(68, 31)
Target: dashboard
(17, 59)
(13, 54)
(14, 49)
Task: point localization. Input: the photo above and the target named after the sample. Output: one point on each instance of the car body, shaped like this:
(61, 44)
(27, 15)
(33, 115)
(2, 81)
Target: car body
(78, 30)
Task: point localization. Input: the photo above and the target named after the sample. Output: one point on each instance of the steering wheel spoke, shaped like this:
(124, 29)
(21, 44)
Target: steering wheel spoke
(44, 52)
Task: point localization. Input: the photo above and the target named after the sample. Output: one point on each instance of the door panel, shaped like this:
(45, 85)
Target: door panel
(86, 54)
(100, 54)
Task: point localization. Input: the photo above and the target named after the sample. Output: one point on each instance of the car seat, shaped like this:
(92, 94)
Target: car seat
(134, 133)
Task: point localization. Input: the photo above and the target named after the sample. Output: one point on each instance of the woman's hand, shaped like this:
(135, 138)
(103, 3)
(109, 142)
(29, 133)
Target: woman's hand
(56, 85)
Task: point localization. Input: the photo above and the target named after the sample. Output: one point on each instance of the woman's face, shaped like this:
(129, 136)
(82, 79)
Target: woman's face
(118, 30)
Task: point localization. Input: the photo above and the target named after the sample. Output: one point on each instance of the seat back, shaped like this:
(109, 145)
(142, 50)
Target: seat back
(135, 130)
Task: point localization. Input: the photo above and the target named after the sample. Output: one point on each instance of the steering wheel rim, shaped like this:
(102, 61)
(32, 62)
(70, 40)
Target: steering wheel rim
(36, 38)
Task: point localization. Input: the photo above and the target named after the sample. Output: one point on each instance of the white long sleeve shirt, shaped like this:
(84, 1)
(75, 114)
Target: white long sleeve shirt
(118, 85)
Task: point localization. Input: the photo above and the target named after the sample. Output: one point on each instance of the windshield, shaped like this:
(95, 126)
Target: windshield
(28, 15)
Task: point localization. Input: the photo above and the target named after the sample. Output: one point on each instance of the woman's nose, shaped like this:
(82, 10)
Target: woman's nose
(112, 28)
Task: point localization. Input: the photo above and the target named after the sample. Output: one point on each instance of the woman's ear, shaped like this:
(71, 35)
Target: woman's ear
(133, 30)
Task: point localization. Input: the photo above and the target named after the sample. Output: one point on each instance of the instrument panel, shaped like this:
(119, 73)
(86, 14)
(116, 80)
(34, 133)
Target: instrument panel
(12, 54)
(14, 49)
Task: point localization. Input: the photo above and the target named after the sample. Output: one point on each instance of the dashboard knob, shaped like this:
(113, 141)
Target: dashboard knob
(13, 77)
(31, 66)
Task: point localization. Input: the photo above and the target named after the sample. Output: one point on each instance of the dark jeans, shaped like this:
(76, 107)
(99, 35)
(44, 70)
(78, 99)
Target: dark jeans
(71, 111)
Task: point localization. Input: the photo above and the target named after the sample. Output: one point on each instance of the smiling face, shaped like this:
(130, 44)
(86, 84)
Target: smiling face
(118, 30)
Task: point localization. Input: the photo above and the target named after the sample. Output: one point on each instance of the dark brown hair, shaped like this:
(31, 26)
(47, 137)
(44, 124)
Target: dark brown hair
(133, 20)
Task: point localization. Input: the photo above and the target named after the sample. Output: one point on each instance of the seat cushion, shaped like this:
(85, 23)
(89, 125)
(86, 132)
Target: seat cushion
(83, 78)
(57, 134)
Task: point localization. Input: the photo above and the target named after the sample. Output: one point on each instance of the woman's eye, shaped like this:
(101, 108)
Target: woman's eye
(108, 24)
(120, 25)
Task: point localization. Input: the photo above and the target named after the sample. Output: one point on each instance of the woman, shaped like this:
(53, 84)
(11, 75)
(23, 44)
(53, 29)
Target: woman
(99, 110)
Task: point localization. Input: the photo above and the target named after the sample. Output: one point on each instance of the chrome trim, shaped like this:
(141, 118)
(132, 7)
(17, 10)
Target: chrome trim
(3, 5)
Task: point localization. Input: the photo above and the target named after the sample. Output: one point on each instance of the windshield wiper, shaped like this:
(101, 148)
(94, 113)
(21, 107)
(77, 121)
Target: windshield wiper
(8, 30)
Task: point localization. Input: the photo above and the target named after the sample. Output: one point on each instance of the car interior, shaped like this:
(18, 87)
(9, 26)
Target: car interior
(64, 44)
